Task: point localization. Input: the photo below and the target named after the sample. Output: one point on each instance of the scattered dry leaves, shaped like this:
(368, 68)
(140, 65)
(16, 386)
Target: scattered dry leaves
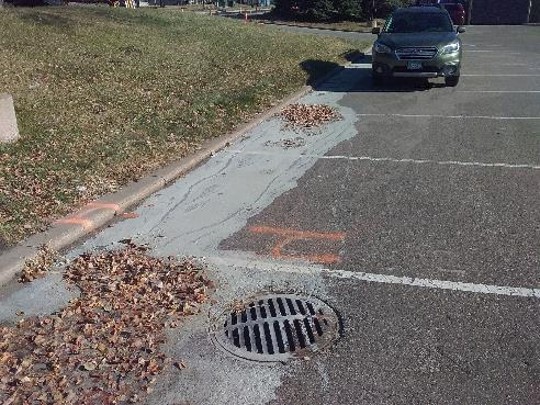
(288, 142)
(309, 116)
(104, 347)
(39, 265)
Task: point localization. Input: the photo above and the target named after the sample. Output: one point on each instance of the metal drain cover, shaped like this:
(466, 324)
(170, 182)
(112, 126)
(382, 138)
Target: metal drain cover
(277, 328)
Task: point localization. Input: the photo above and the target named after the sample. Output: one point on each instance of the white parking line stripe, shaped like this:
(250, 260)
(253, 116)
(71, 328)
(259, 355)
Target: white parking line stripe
(358, 66)
(283, 267)
(436, 284)
(514, 64)
(496, 52)
(368, 66)
(504, 75)
(487, 45)
(441, 163)
(480, 117)
(499, 91)
(393, 160)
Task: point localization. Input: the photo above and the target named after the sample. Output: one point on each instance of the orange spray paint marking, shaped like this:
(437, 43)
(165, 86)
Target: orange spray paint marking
(79, 219)
(85, 223)
(288, 236)
(98, 205)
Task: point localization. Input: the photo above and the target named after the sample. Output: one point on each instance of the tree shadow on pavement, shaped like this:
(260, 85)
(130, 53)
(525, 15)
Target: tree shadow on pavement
(319, 70)
(356, 77)
(354, 55)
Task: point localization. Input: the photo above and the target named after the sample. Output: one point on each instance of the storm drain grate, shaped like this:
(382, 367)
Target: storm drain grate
(277, 328)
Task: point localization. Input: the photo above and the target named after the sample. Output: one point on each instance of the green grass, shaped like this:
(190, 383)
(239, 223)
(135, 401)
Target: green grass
(105, 95)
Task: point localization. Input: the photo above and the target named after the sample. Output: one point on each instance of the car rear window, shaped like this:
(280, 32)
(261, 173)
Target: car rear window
(418, 22)
(453, 7)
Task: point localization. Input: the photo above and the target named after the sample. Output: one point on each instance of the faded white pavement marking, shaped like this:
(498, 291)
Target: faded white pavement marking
(500, 75)
(513, 64)
(476, 288)
(358, 66)
(475, 117)
(495, 52)
(442, 163)
(486, 45)
(501, 91)
(368, 66)
(393, 160)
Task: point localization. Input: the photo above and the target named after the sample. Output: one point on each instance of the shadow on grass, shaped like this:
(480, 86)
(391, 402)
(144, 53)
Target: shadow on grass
(356, 77)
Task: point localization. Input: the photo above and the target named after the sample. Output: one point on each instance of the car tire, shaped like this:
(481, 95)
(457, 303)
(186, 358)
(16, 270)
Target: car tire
(377, 80)
(451, 81)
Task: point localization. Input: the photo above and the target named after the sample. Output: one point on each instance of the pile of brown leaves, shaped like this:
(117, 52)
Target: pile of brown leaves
(39, 265)
(103, 348)
(309, 116)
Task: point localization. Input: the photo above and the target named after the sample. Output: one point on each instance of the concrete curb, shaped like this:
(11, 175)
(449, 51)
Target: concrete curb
(95, 215)
(9, 130)
(66, 231)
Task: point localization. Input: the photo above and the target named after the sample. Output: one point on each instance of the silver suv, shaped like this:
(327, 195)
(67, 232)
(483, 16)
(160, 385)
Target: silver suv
(418, 42)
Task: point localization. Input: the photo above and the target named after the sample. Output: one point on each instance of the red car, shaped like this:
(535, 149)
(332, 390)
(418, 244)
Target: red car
(456, 11)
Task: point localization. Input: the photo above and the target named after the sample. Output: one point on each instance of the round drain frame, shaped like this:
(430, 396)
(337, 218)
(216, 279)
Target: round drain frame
(277, 328)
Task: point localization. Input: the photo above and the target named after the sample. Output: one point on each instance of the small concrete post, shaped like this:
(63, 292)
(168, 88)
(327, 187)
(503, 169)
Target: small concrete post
(9, 131)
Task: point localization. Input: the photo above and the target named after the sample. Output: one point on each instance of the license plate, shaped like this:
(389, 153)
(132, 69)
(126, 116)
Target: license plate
(412, 65)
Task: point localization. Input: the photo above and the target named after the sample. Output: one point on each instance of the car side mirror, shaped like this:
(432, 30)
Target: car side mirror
(376, 30)
(461, 29)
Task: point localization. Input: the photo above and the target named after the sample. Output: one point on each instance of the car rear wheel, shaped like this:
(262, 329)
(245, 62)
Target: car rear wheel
(451, 81)
(377, 79)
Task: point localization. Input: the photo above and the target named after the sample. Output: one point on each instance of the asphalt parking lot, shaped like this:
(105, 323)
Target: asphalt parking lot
(416, 217)
(439, 184)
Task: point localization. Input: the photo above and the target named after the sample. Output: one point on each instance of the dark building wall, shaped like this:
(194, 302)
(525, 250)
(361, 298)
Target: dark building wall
(500, 11)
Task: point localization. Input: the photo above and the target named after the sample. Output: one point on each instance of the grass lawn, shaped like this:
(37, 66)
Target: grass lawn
(105, 95)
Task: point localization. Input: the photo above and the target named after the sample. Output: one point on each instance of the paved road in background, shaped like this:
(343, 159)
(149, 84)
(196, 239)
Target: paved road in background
(355, 36)
(429, 198)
